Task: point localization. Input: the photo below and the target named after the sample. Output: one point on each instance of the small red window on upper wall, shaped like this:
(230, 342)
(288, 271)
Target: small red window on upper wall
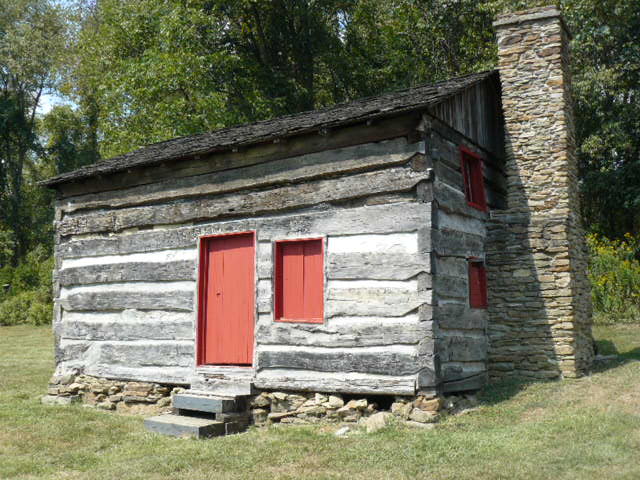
(471, 165)
(299, 281)
(477, 284)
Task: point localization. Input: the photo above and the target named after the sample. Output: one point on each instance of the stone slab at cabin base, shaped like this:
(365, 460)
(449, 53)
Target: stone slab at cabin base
(136, 398)
(305, 408)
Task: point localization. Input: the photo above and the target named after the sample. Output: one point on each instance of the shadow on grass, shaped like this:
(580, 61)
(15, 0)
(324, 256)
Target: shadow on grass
(504, 390)
(610, 357)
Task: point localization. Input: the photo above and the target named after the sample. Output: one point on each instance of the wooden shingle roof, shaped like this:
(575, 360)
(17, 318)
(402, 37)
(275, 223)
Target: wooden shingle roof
(233, 137)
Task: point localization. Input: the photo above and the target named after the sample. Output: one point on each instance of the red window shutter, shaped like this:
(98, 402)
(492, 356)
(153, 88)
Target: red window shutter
(471, 165)
(477, 285)
(299, 282)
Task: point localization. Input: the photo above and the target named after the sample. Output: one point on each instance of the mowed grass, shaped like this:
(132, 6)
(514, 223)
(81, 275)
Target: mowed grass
(575, 429)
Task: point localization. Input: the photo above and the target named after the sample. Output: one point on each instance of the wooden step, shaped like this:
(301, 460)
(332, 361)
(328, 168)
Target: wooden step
(204, 403)
(179, 426)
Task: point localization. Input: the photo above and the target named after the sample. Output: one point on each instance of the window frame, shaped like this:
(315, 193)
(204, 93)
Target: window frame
(482, 283)
(278, 294)
(471, 165)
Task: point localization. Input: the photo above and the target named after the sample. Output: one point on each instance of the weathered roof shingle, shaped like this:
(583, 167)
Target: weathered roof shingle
(241, 135)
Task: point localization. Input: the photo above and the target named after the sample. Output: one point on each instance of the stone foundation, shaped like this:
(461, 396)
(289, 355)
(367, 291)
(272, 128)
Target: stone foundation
(136, 398)
(266, 408)
(305, 408)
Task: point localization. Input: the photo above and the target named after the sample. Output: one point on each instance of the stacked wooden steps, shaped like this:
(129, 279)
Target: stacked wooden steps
(202, 415)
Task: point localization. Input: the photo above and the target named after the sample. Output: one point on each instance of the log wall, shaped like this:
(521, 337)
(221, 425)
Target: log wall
(458, 233)
(126, 267)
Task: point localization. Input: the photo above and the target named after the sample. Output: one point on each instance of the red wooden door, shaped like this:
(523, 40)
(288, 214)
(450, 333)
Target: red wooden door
(227, 301)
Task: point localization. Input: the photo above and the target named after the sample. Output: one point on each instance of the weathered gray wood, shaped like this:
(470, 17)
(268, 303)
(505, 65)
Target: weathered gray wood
(453, 201)
(182, 426)
(288, 170)
(461, 223)
(379, 362)
(462, 348)
(131, 354)
(200, 403)
(372, 302)
(138, 326)
(120, 300)
(105, 356)
(444, 143)
(457, 244)
(427, 377)
(375, 384)
(474, 382)
(453, 266)
(446, 286)
(453, 316)
(298, 196)
(376, 266)
(342, 335)
(475, 112)
(128, 272)
(382, 129)
(401, 217)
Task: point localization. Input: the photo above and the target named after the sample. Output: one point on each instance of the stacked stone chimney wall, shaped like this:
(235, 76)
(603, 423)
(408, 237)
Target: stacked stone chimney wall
(540, 310)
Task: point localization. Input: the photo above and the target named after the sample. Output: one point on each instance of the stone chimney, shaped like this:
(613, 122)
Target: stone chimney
(540, 308)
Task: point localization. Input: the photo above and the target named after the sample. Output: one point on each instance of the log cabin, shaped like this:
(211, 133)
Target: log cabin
(419, 242)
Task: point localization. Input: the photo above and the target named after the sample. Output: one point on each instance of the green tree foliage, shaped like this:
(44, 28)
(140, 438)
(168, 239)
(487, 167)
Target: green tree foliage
(70, 139)
(31, 48)
(142, 71)
(606, 61)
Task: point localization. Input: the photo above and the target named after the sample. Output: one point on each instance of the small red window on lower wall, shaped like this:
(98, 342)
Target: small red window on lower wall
(477, 284)
(299, 281)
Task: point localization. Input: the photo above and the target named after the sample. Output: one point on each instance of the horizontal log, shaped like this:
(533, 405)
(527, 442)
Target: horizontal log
(400, 217)
(128, 272)
(129, 354)
(127, 325)
(453, 316)
(123, 300)
(446, 286)
(247, 155)
(376, 266)
(457, 244)
(306, 381)
(373, 302)
(462, 348)
(237, 204)
(474, 382)
(342, 335)
(445, 142)
(288, 170)
(381, 362)
(454, 202)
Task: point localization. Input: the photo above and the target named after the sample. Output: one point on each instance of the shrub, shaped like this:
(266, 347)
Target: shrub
(614, 272)
(28, 299)
(26, 308)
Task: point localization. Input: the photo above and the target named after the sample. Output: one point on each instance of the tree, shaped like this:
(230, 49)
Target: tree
(31, 45)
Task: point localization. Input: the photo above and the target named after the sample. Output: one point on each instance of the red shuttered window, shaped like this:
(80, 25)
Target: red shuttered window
(477, 285)
(299, 281)
(473, 179)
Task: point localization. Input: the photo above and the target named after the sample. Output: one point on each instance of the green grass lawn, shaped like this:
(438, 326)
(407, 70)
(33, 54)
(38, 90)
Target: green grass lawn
(576, 429)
